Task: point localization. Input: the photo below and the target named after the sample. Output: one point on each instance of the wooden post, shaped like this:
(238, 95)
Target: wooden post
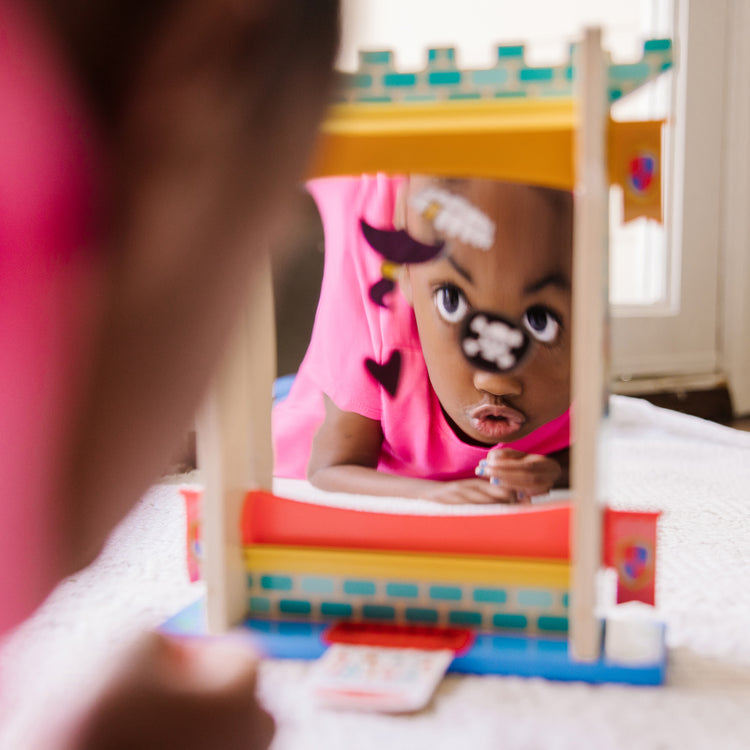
(589, 347)
(234, 448)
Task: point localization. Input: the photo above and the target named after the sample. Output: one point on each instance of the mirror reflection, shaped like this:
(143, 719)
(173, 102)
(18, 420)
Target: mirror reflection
(439, 361)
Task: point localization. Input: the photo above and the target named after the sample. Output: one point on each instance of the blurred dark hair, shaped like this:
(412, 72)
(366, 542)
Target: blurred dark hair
(105, 41)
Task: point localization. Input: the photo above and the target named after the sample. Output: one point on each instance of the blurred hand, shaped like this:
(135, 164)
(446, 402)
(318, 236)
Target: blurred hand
(191, 695)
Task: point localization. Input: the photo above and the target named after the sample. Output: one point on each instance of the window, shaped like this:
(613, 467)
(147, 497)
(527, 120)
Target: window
(664, 280)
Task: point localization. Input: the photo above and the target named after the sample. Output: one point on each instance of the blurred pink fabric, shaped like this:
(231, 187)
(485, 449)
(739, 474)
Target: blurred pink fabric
(48, 282)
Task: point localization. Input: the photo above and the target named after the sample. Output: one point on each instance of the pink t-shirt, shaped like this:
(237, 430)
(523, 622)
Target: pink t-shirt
(349, 328)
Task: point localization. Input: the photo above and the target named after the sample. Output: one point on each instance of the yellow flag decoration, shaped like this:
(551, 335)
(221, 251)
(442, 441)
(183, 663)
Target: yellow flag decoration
(635, 165)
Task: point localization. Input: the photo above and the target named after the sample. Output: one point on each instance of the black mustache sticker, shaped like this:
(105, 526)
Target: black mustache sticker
(399, 246)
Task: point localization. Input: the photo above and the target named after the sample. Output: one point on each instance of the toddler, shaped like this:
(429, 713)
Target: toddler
(398, 393)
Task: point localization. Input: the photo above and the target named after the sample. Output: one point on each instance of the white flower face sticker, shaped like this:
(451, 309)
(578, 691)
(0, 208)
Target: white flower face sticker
(454, 216)
(492, 343)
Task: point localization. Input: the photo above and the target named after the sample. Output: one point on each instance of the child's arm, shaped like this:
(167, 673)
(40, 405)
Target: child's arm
(345, 456)
(526, 474)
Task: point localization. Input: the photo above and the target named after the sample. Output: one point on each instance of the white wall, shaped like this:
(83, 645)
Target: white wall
(474, 27)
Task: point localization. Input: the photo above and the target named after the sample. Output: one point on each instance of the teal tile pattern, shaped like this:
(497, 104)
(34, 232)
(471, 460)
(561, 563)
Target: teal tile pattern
(489, 77)
(510, 621)
(534, 598)
(465, 619)
(444, 78)
(511, 50)
(446, 593)
(657, 45)
(377, 79)
(279, 595)
(362, 81)
(405, 590)
(276, 583)
(317, 585)
(399, 79)
(423, 615)
(260, 604)
(294, 607)
(548, 624)
(361, 588)
(536, 74)
(378, 612)
(335, 609)
(499, 596)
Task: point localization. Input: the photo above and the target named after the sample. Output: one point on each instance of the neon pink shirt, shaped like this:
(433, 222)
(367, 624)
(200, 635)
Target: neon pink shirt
(349, 328)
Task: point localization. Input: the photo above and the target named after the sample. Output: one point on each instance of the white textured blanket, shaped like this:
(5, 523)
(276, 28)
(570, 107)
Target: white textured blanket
(698, 473)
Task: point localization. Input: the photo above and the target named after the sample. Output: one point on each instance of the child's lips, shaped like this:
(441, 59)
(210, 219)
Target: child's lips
(496, 422)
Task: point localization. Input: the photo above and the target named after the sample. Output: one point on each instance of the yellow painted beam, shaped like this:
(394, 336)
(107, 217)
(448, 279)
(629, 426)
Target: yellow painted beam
(528, 140)
(517, 140)
(405, 566)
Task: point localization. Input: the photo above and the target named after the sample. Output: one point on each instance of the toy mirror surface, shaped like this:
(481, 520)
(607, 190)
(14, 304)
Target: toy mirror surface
(444, 326)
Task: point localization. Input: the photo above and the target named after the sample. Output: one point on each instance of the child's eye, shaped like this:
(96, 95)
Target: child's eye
(451, 303)
(541, 323)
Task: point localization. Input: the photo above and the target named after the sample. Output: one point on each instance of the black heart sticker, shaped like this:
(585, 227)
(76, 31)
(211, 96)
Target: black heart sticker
(388, 373)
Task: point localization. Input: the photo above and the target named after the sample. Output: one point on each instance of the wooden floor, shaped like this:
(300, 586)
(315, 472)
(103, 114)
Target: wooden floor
(741, 424)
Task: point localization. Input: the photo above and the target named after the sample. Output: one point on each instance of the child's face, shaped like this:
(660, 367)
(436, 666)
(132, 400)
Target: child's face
(524, 277)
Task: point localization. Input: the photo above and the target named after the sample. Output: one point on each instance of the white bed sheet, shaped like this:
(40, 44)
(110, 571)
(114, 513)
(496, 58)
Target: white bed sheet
(697, 472)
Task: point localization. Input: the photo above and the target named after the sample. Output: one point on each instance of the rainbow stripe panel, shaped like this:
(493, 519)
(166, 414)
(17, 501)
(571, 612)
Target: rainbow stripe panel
(485, 594)
(377, 80)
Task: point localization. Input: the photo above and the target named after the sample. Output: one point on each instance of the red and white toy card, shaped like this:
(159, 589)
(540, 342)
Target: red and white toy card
(377, 678)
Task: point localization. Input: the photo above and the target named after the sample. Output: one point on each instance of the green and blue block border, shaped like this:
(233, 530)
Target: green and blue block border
(377, 80)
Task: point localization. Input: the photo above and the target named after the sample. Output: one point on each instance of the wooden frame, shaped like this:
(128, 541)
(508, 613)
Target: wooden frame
(564, 142)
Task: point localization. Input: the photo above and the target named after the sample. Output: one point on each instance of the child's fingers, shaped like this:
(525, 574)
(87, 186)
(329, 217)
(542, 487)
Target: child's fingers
(471, 491)
(498, 455)
(526, 480)
(526, 487)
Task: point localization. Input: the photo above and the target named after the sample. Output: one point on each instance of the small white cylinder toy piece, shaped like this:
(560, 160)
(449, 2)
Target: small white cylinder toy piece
(633, 634)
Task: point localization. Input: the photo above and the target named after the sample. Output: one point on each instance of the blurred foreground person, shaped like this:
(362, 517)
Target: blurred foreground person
(147, 150)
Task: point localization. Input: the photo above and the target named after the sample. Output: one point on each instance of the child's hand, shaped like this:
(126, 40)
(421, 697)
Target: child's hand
(523, 475)
(462, 491)
(192, 695)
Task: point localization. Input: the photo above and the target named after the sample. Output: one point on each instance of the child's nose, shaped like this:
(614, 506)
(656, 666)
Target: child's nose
(498, 383)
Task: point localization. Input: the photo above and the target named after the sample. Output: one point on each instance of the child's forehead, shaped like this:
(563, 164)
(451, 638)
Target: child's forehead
(532, 227)
(493, 195)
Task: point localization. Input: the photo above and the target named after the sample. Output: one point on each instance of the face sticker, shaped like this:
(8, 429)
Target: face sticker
(493, 343)
(387, 373)
(398, 246)
(379, 289)
(454, 216)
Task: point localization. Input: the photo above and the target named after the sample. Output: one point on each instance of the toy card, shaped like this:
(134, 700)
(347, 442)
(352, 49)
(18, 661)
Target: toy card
(376, 678)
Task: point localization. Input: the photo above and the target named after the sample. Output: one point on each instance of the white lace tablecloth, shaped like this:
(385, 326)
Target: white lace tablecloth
(697, 472)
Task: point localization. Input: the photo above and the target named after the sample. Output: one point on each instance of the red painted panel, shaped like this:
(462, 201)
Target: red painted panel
(535, 532)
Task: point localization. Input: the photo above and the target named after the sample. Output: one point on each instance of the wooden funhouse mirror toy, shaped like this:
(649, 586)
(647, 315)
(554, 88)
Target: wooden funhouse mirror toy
(508, 590)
